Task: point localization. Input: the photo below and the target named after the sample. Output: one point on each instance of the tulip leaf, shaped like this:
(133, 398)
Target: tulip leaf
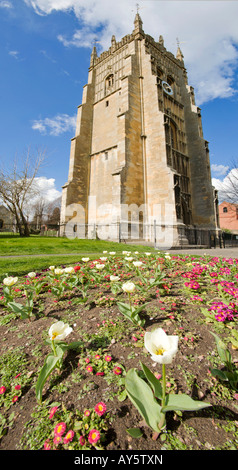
(131, 313)
(135, 311)
(183, 402)
(49, 365)
(19, 309)
(143, 399)
(135, 432)
(219, 373)
(75, 345)
(154, 382)
(223, 352)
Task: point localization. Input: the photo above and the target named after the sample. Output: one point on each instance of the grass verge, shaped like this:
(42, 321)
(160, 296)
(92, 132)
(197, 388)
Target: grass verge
(15, 245)
(51, 252)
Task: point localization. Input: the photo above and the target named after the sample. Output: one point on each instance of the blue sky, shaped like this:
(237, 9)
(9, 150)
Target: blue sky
(45, 48)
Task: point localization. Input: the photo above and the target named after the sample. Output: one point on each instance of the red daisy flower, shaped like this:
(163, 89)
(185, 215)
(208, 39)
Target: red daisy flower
(117, 370)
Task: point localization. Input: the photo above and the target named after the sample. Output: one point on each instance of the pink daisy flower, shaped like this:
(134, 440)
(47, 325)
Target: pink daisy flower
(87, 413)
(59, 429)
(82, 440)
(93, 436)
(108, 358)
(100, 408)
(47, 445)
(53, 411)
(15, 398)
(2, 390)
(57, 440)
(69, 436)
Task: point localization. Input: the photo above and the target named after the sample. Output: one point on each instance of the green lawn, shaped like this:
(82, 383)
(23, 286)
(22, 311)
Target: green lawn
(15, 245)
(70, 251)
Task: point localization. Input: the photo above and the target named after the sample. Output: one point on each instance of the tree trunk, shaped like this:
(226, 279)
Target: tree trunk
(25, 231)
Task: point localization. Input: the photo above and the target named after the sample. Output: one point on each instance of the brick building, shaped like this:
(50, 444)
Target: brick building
(228, 216)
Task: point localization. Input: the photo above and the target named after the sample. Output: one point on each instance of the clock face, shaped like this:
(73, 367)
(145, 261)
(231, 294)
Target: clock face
(167, 88)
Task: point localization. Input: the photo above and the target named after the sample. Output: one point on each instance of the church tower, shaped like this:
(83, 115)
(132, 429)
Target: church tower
(138, 157)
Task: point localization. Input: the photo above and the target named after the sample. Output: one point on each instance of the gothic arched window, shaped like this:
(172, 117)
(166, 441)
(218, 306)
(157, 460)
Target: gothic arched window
(173, 135)
(109, 83)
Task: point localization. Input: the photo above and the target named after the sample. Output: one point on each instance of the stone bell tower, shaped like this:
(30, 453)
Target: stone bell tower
(138, 156)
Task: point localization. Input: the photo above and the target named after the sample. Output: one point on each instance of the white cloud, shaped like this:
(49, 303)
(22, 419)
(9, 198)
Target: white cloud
(56, 125)
(47, 188)
(219, 170)
(14, 54)
(207, 30)
(228, 187)
(81, 38)
(5, 4)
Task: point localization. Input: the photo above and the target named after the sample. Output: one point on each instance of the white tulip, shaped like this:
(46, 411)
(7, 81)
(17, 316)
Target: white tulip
(85, 260)
(69, 270)
(58, 271)
(114, 278)
(31, 275)
(104, 252)
(59, 330)
(128, 287)
(112, 252)
(52, 268)
(148, 254)
(10, 281)
(128, 258)
(162, 347)
(100, 266)
(104, 258)
(137, 264)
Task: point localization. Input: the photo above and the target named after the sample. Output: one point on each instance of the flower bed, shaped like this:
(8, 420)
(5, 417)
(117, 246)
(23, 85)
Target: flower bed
(78, 355)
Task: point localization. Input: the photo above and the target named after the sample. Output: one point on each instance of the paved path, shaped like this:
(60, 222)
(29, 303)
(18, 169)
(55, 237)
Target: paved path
(221, 252)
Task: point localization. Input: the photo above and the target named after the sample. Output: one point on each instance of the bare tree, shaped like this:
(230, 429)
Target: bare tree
(39, 209)
(17, 187)
(228, 190)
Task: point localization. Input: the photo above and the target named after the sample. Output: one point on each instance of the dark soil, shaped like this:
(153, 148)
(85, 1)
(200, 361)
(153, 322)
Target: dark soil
(104, 330)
